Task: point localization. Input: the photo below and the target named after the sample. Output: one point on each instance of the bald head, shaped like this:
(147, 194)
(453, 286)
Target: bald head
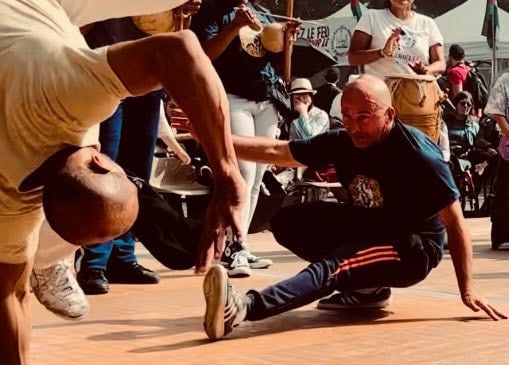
(367, 110)
(369, 89)
(86, 206)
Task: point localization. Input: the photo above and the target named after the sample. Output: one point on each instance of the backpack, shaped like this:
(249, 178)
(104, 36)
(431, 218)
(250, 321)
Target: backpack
(476, 84)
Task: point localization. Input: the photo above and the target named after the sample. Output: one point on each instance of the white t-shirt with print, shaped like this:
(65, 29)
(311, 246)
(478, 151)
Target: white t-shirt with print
(498, 101)
(420, 33)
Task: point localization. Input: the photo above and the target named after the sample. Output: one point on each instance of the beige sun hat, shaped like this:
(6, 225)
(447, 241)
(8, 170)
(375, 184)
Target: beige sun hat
(302, 86)
(160, 22)
(155, 23)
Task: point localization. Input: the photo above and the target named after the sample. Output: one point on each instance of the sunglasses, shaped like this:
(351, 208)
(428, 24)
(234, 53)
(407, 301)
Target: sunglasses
(465, 104)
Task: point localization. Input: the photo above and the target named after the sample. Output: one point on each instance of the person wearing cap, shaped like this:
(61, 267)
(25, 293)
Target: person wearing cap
(230, 32)
(311, 120)
(457, 70)
(50, 165)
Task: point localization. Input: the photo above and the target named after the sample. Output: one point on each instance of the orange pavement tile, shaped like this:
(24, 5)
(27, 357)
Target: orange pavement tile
(162, 324)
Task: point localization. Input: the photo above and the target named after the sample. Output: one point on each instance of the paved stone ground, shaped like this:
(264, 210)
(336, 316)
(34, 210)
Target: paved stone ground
(162, 324)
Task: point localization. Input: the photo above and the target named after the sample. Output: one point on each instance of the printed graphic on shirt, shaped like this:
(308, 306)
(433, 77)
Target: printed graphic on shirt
(365, 192)
(406, 52)
(251, 42)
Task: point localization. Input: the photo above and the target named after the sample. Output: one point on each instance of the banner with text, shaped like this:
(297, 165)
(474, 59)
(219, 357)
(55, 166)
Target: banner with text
(332, 36)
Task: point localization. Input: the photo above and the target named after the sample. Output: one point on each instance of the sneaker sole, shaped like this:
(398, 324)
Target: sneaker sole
(239, 272)
(259, 266)
(72, 319)
(376, 305)
(214, 289)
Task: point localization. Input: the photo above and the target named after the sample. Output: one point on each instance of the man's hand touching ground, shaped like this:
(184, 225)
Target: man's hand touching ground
(223, 211)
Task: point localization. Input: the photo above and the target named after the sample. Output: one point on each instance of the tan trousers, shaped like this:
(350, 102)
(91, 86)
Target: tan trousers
(14, 313)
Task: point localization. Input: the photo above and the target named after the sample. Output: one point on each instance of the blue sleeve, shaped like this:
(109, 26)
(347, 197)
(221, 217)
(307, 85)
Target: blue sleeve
(204, 23)
(438, 188)
(318, 151)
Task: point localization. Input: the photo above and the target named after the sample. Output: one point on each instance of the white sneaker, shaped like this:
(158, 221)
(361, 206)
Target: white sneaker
(56, 288)
(256, 262)
(376, 299)
(226, 309)
(235, 261)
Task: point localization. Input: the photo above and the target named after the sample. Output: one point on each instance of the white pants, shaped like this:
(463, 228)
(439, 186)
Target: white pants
(52, 248)
(250, 119)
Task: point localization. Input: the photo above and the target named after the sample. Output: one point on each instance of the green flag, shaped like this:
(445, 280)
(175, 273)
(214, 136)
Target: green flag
(356, 9)
(491, 25)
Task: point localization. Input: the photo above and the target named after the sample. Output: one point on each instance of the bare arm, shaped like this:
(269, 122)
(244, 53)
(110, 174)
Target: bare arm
(83, 12)
(456, 89)
(502, 123)
(359, 52)
(460, 247)
(214, 47)
(437, 60)
(264, 150)
(177, 62)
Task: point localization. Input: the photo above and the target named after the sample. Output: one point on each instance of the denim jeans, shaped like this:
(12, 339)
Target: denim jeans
(128, 137)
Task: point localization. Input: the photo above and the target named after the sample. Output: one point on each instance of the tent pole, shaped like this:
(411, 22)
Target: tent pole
(494, 66)
(288, 45)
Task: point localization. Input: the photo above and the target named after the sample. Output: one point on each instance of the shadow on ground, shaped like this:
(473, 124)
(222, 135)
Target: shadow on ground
(299, 320)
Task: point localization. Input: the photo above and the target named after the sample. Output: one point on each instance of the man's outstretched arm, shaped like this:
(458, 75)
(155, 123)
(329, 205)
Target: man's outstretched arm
(460, 247)
(177, 62)
(264, 150)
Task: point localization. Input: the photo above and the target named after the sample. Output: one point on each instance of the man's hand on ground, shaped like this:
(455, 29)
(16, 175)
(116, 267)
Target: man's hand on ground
(223, 211)
(476, 302)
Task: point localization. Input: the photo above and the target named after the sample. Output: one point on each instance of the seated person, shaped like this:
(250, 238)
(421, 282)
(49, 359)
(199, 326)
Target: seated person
(311, 120)
(387, 236)
(466, 143)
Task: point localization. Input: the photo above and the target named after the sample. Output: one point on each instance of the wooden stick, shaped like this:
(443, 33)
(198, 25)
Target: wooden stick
(288, 45)
(179, 16)
(290, 18)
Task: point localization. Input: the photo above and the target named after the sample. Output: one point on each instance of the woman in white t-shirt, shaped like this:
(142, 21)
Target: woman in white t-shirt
(398, 40)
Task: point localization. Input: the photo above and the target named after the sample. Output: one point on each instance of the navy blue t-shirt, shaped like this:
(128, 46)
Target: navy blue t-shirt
(242, 74)
(404, 176)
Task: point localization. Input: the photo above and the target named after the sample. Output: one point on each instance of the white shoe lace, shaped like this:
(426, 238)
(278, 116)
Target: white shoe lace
(239, 258)
(56, 280)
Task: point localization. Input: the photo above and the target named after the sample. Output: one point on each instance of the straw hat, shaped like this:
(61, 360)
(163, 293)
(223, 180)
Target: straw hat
(159, 22)
(155, 23)
(302, 86)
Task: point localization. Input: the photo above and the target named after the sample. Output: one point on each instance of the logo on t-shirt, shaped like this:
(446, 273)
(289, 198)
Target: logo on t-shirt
(251, 42)
(406, 52)
(365, 192)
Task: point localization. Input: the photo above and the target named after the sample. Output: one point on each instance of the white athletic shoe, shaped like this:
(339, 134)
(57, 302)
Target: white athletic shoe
(56, 288)
(257, 262)
(226, 309)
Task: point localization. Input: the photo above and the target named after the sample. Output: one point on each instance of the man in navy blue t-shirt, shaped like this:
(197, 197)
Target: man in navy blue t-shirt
(403, 200)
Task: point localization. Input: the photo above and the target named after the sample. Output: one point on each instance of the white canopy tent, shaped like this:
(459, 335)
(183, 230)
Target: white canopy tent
(463, 26)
